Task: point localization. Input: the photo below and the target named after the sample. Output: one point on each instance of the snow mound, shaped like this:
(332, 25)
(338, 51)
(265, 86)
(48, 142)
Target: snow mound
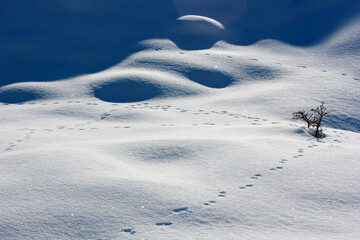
(342, 121)
(201, 23)
(14, 95)
(139, 86)
(196, 32)
(259, 72)
(165, 151)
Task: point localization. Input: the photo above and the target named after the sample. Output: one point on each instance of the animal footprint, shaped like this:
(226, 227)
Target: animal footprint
(247, 186)
(128, 230)
(276, 168)
(256, 176)
(164, 224)
(222, 194)
(209, 203)
(283, 161)
(104, 115)
(180, 210)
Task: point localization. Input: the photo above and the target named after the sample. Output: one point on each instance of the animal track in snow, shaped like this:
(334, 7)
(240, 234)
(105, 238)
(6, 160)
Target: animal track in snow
(222, 194)
(209, 203)
(276, 168)
(180, 210)
(283, 161)
(128, 230)
(246, 186)
(164, 223)
(256, 176)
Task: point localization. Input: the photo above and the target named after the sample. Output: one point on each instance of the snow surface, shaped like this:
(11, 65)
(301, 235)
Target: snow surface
(188, 140)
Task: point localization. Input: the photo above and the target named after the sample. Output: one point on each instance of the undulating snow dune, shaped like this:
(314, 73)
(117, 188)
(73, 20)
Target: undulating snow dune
(172, 120)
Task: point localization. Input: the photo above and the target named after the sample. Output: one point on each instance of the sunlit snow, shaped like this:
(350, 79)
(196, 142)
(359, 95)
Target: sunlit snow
(188, 135)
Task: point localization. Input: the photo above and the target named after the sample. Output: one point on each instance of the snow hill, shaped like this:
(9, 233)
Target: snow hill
(172, 120)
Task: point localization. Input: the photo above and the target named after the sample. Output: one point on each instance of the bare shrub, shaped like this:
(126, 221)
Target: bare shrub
(313, 118)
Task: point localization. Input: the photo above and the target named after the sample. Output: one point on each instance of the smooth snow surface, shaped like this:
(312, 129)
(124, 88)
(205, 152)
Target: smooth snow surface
(203, 22)
(193, 32)
(188, 137)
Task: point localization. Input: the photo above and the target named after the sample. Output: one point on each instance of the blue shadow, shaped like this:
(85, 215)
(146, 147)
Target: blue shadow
(297, 22)
(46, 40)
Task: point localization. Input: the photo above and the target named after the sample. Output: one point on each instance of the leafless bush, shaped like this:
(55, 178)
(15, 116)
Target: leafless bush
(313, 118)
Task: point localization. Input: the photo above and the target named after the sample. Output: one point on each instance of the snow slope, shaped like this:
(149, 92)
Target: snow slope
(187, 140)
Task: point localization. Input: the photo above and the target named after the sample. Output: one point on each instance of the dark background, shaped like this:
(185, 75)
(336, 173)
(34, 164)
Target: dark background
(47, 40)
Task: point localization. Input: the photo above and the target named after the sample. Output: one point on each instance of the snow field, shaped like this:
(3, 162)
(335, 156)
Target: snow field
(178, 144)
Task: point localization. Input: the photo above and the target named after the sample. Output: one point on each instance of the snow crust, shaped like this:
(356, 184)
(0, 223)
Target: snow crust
(187, 140)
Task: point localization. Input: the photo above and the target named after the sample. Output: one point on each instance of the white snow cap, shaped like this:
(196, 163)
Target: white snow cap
(201, 24)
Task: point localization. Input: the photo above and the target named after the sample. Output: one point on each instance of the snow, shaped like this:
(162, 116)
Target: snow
(194, 32)
(188, 136)
(201, 23)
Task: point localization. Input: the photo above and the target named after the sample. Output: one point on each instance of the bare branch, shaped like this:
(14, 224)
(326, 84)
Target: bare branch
(313, 118)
